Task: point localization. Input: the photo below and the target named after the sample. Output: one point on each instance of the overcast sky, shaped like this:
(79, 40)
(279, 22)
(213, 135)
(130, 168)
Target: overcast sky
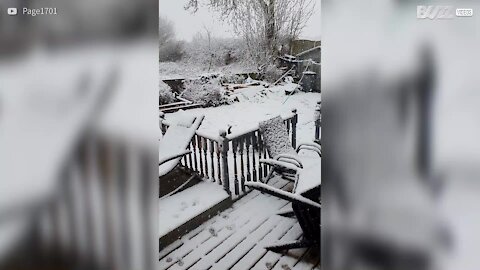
(187, 24)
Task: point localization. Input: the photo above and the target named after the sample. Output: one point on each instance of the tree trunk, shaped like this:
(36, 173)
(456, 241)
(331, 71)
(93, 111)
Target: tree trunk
(270, 33)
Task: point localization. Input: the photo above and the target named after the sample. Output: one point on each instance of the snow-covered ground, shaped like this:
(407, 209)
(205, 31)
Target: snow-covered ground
(256, 104)
(175, 70)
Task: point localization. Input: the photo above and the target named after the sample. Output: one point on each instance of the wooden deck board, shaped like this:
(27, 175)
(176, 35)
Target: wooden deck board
(288, 260)
(258, 251)
(236, 239)
(171, 254)
(270, 259)
(234, 230)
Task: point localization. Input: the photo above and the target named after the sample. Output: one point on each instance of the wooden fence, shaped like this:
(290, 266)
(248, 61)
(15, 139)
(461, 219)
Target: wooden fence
(180, 104)
(231, 159)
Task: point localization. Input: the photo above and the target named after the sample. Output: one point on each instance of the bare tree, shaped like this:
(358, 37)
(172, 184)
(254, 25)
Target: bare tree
(169, 48)
(209, 36)
(165, 30)
(264, 24)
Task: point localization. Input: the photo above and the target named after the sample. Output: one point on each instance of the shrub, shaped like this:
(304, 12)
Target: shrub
(271, 73)
(207, 93)
(165, 94)
(214, 52)
(231, 78)
(171, 51)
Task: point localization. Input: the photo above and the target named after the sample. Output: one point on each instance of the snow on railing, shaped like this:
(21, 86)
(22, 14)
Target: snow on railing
(231, 159)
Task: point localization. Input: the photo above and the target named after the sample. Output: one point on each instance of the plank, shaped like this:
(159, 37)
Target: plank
(271, 258)
(289, 259)
(232, 212)
(309, 260)
(225, 246)
(216, 237)
(210, 252)
(237, 218)
(258, 251)
(248, 243)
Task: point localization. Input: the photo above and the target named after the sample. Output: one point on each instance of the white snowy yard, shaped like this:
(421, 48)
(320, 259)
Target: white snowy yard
(257, 104)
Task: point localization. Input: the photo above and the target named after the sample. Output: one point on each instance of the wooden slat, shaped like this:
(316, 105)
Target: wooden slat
(242, 163)
(288, 260)
(212, 162)
(260, 152)
(309, 260)
(235, 166)
(254, 161)
(248, 145)
(190, 161)
(195, 151)
(219, 171)
(211, 236)
(235, 239)
(271, 259)
(205, 156)
(200, 150)
(215, 249)
(235, 214)
(242, 243)
(257, 250)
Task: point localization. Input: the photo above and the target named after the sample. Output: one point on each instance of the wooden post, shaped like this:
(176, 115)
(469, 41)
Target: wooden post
(235, 165)
(195, 149)
(260, 151)
(212, 160)
(205, 156)
(318, 119)
(254, 150)
(242, 165)
(219, 166)
(223, 143)
(200, 157)
(294, 127)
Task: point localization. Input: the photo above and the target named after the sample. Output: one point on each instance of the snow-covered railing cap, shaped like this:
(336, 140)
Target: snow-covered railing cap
(256, 127)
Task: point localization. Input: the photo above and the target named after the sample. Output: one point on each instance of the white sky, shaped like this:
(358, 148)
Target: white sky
(187, 24)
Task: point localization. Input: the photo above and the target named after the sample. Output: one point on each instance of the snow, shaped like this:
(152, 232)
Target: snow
(133, 110)
(231, 234)
(258, 104)
(276, 137)
(209, 235)
(177, 209)
(252, 239)
(181, 70)
(29, 126)
(272, 258)
(283, 193)
(310, 176)
(44, 108)
(176, 140)
(249, 260)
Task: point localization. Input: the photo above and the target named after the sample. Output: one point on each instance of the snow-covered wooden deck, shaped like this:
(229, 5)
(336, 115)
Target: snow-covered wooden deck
(235, 238)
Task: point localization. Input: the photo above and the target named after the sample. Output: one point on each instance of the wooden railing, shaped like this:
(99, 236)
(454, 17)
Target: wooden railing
(231, 159)
(318, 121)
(104, 213)
(181, 104)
